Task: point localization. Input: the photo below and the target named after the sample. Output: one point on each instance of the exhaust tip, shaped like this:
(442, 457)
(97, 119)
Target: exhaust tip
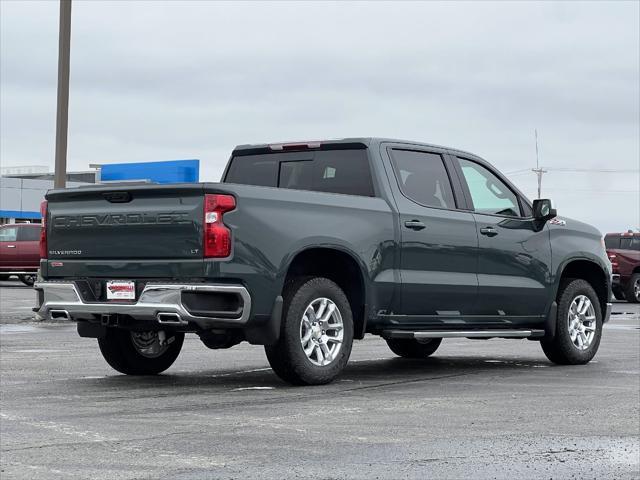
(170, 318)
(59, 315)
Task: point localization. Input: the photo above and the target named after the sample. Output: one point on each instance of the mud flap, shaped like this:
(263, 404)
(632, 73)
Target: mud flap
(265, 329)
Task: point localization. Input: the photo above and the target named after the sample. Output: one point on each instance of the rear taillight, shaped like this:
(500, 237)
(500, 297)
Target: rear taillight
(217, 237)
(43, 231)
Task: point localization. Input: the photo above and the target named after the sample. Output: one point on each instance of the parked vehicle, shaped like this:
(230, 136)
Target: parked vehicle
(624, 252)
(20, 251)
(304, 247)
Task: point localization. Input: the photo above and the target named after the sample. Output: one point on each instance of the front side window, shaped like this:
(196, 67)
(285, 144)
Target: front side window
(489, 194)
(8, 234)
(423, 178)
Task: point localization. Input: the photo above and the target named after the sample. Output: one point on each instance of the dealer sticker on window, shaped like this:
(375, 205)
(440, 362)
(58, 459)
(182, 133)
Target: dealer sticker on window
(121, 290)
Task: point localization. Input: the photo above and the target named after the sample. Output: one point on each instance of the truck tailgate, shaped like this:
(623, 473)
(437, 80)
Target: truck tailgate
(126, 222)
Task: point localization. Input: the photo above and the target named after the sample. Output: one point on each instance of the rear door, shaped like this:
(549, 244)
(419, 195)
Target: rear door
(438, 239)
(29, 245)
(514, 262)
(8, 246)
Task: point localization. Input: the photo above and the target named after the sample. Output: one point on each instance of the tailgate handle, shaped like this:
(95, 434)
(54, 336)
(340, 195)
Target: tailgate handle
(117, 197)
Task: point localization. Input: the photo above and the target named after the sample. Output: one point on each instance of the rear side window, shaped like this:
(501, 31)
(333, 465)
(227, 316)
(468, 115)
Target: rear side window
(612, 241)
(332, 171)
(423, 178)
(28, 234)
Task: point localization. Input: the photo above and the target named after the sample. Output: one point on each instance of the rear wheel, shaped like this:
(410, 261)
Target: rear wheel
(28, 279)
(410, 348)
(578, 325)
(140, 353)
(316, 333)
(633, 289)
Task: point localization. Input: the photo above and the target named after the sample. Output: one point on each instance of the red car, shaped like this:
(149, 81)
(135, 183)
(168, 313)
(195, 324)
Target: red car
(20, 251)
(624, 252)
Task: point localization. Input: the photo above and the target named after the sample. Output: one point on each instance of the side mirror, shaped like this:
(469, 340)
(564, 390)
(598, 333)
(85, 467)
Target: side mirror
(543, 209)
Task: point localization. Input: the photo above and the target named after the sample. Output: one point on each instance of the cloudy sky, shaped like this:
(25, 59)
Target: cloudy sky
(161, 80)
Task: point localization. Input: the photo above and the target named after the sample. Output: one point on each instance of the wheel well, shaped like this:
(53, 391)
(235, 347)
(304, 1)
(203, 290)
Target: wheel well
(593, 274)
(339, 267)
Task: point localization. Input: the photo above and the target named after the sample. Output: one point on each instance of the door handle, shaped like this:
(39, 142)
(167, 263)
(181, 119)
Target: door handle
(11, 246)
(414, 224)
(488, 231)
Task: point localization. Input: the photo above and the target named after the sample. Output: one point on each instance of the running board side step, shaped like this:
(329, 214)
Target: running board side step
(426, 334)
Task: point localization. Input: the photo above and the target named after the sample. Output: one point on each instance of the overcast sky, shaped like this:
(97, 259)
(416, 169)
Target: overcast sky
(161, 80)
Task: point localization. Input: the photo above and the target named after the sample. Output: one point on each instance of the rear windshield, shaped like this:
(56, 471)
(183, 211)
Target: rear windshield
(630, 243)
(333, 171)
(619, 242)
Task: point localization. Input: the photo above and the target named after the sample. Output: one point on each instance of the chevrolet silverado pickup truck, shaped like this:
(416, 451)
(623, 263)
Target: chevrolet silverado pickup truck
(624, 252)
(304, 247)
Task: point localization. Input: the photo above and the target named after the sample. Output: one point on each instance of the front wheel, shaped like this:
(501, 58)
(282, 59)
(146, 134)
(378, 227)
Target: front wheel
(140, 353)
(578, 325)
(316, 333)
(411, 348)
(633, 289)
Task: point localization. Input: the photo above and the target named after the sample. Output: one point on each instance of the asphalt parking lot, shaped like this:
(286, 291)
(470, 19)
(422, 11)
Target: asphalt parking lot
(477, 409)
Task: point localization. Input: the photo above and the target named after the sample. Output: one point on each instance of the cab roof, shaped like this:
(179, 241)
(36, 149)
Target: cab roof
(335, 144)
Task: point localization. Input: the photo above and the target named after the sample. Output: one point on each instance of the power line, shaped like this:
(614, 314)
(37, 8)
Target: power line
(595, 170)
(575, 170)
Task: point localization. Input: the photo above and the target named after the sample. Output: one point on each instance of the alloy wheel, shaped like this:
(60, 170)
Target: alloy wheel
(321, 331)
(581, 322)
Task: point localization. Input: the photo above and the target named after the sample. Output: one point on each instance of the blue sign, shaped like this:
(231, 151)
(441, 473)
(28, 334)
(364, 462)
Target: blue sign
(171, 171)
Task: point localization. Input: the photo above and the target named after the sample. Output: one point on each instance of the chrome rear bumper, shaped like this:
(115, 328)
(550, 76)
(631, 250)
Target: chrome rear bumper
(160, 303)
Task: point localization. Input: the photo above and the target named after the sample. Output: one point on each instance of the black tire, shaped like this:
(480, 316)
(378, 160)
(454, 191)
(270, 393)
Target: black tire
(632, 292)
(410, 348)
(618, 294)
(561, 349)
(287, 357)
(119, 351)
(28, 280)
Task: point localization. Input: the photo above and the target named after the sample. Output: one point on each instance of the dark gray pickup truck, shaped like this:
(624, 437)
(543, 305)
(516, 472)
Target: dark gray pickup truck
(304, 247)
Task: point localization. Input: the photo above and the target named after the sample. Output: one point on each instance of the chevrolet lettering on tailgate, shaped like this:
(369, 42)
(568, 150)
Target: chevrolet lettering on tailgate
(67, 221)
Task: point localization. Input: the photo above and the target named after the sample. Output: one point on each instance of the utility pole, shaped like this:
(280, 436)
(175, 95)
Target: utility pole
(62, 112)
(538, 171)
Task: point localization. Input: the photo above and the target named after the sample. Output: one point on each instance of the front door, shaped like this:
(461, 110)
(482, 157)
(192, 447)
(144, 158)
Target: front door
(514, 261)
(9, 247)
(438, 254)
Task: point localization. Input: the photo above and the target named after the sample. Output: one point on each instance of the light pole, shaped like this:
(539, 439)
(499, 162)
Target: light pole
(62, 112)
(538, 171)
